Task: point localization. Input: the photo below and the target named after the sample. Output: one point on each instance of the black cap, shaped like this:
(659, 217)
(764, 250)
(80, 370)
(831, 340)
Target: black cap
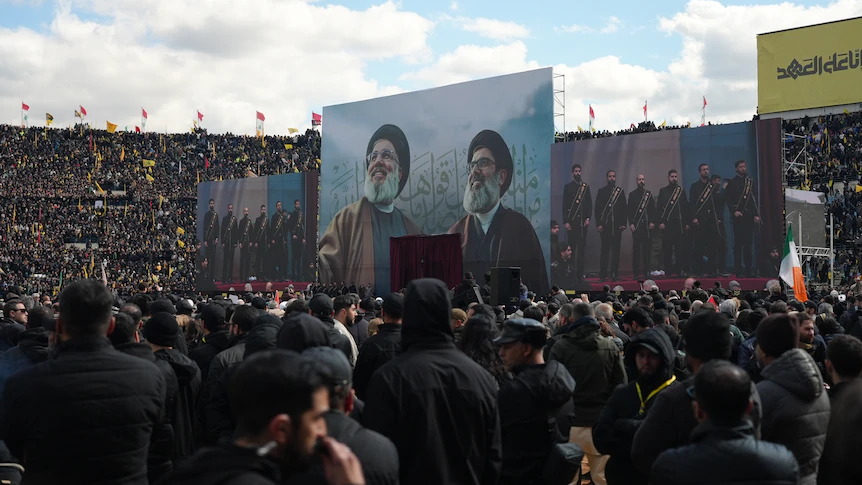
(212, 312)
(185, 307)
(518, 328)
(393, 304)
(259, 303)
(162, 329)
(334, 365)
(810, 304)
(468, 276)
(163, 305)
(319, 303)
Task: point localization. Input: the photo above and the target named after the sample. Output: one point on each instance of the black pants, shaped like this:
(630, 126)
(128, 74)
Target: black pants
(296, 248)
(244, 261)
(673, 244)
(260, 262)
(641, 251)
(743, 232)
(577, 239)
(706, 244)
(278, 265)
(611, 238)
(210, 254)
(227, 263)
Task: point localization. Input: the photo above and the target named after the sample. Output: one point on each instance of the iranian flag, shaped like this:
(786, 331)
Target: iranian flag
(25, 113)
(592, 117)
(791, 270)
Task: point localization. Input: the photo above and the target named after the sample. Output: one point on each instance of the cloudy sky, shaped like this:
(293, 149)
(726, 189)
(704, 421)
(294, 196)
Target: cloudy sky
(287, 58)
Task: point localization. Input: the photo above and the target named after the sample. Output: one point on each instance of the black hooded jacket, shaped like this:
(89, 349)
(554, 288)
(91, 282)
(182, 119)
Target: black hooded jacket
(339, 340)
(377, 351)
(227, 464)
(526, 403)
(184, 412)
(211, 346)
(9, 332)
(162, 453)
(411, 399)
(614, 432)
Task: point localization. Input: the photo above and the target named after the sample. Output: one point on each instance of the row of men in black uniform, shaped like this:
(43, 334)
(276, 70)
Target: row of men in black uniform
(264, 238)
(674, 218)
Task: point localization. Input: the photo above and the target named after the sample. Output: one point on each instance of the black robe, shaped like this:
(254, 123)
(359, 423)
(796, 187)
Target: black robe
(511, 241)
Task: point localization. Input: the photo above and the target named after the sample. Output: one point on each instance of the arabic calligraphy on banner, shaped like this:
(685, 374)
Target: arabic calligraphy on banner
(433, 196)
(811, 67)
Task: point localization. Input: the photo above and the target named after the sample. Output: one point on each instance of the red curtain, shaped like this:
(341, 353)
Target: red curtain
(414, 257)
(771, 190)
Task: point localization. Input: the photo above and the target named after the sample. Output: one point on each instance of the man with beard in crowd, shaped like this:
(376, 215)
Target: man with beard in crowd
(840, 462)
(610, 223)
(32, 345)
(210, 240)
(743, 210)
(414, 395)
(296, 223)
(278, 242)
(577, 210)
(246, 231)
(673, 222)
(355, 246)
(704, 222)
(228, 243)
(641, 215)
(493, 235)
(261, 242)
(14, 322)
(280, 400)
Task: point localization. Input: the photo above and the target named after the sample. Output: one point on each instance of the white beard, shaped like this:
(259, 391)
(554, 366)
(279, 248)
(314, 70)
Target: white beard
(484, 198)
(383, 193)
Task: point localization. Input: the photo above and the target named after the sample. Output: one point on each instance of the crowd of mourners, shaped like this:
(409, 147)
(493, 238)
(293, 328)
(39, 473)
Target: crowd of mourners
(701, 385)
(77, 200)
(642, 127)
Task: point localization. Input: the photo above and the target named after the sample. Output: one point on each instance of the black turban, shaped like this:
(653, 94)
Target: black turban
(502, 156)
(402, 149)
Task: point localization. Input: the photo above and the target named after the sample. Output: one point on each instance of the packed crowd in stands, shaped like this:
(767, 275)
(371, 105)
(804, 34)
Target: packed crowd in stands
(642, 127)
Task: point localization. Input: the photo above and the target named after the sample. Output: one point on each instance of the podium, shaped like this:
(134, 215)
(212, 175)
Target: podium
(413, 257)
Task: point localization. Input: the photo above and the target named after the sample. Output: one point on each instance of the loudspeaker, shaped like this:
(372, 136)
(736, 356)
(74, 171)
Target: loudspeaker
(505, 286)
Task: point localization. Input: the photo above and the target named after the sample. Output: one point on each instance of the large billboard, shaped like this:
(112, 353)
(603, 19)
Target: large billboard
(471, 159)
(810, 67)
(257, 229)
(679, 203)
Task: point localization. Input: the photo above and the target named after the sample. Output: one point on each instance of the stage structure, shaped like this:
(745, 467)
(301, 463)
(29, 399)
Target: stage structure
(560, 105)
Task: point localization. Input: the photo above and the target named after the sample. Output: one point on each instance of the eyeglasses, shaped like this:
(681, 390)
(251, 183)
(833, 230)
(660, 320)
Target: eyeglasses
(22, 309)
(385, 155)
(482, 163)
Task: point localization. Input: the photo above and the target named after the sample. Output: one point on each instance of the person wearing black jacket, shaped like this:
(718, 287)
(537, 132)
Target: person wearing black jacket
(641, 215)
(126, 339)
(577, 210)
(229, 231)
(97, 391)
(538, 395)
(704, 223)
(652, 354)
(321, 306)
(215, 337)
(159, 332)
(12, 324)
(414, 395)
(382, 347)
(724, 448)
(611, 221)
(32, 345)
(672, 210)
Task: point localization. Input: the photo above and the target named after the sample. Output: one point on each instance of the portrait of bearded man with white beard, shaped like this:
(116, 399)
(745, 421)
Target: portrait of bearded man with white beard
(491, 234)
(355, 246)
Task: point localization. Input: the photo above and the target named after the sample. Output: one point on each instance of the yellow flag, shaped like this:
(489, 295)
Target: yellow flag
(149, 178)
(49, 119)
(181, 244)
(92, 260)
(199, 176)
(592, 128)
(161, 199)
(126, 211)
(122, 154)
(111, 127)
(288, 146)
(858, 188)
(98, 187)
(149, 163)
(663, 123)
(292, 130)
(579, 128)
(170, 271)
(180, 231)
(846, 112)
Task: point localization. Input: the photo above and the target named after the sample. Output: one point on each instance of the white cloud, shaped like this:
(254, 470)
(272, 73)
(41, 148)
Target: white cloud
(574, 28)
(469, 62)
(453, 6)
(612, 26)
(494, 29)
(227, 60)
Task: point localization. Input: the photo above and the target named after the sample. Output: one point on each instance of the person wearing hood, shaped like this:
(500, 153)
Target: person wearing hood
(12, 324)
(795, 403)
(491, 234)
(381, 347)
(160, 331)
(414, 395)
(322, 307)
(355, 246)
(611, 222)
(126, 339)
(32, 345)
(597, 366)
(652, 355)
(215, 337)
(538, 392)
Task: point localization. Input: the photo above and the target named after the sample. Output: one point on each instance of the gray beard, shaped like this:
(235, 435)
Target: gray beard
(483, 199)
(383, 193)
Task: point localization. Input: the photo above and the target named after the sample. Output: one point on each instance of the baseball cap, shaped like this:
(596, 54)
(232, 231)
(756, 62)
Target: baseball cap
(258, 303)
(334, 365)
(319, 303)
(810, 304)
(163, 305)
(393, 304)
(162, 329)
(185, 307)
(518, 328)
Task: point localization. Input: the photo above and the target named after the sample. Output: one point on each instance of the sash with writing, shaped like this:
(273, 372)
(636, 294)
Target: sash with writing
(611, 203)
(746, 194)
(245, 232)
(210, 229)
(671, 203)
(262, 230)
(704, 197)
(278, 224)
(227, 231)
(578, 197)
(642, 208)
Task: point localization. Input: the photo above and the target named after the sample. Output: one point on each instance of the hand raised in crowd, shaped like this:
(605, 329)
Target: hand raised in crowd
(340, 465)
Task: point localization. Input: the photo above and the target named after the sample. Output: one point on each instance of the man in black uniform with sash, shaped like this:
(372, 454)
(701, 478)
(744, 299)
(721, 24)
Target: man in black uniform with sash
(719, 201)
(642, 223)
(228, 243)
(260, 241)
(611, 221)
(297, 241)
(246, 231)
(211, 235)
(278, 242)
(673, 222)
(577, 209)
(704, 224)
(744, 214)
